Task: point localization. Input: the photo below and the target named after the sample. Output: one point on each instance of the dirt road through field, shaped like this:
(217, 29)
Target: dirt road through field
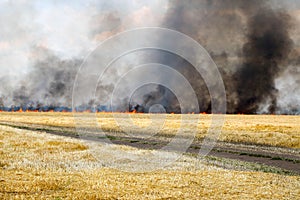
(284, 158)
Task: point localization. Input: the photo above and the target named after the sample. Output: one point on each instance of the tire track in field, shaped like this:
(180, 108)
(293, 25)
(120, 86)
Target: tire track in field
(284, 158)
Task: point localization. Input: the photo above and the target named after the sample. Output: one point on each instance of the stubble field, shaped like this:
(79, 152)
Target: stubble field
(42, 157)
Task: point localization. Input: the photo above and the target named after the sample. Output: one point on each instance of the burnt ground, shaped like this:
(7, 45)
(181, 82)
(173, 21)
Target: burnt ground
(284, 158)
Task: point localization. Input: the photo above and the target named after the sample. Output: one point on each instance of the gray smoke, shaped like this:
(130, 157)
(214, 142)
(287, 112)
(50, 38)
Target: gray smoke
(250, 42)
(255, 45)
(49, 82)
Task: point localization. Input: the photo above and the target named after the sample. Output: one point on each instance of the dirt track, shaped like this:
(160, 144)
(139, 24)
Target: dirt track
(286, 161)
(284, 158)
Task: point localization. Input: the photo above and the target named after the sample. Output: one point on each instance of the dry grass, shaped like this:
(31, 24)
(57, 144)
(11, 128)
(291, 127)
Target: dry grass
(112, 184)
(36, 165)
(271, 130)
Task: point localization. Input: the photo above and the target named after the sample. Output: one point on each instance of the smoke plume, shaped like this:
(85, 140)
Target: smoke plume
(268, 46)
(255, 44)
(250, 42)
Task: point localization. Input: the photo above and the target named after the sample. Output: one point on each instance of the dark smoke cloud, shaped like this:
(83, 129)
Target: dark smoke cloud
(161, 96)
(268, 46)
(250, 42)
(49, 82)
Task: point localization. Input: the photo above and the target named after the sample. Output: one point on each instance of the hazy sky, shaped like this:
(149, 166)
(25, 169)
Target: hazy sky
(72, 28)
(69, 28)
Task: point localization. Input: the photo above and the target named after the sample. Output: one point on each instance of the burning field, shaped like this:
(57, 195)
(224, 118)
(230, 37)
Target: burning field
(254, 44)
(256, 156)
(96, 96)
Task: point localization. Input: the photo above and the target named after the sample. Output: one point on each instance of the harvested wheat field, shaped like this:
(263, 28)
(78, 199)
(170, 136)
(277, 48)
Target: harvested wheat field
(42, 157)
